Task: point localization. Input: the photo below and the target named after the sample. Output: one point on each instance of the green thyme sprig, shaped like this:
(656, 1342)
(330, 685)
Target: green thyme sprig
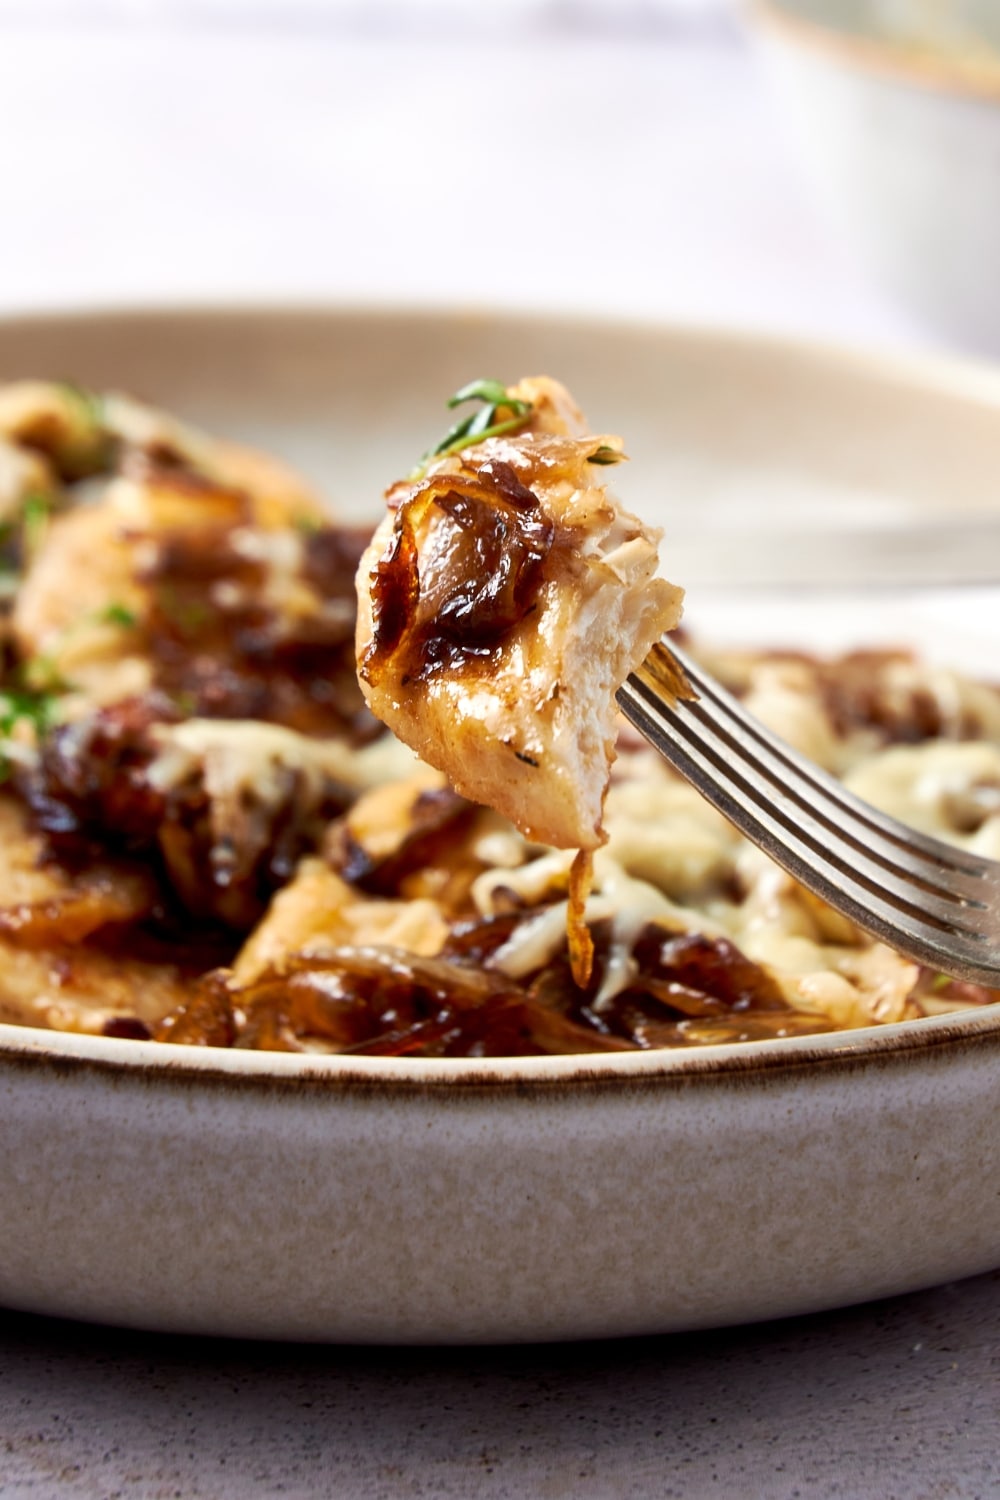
(487, 422)
(605, 454)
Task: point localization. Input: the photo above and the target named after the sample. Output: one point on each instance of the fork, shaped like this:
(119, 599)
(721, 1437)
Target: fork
(929, 900)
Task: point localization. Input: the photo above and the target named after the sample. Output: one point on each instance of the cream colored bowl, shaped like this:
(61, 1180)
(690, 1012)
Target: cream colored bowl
(390, 1200)
(893, 107)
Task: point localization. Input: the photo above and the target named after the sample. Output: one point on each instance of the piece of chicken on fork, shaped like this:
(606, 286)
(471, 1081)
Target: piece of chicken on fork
(504, 598)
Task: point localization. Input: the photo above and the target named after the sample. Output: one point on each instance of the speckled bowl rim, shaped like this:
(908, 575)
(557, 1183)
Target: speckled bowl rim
(881, 58)
(736, 1063)
(717, 1065)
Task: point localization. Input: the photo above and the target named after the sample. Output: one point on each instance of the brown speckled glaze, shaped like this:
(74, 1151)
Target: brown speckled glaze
(543, 1198)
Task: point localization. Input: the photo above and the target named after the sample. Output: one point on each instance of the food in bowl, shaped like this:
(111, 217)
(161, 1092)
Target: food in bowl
(210, 839)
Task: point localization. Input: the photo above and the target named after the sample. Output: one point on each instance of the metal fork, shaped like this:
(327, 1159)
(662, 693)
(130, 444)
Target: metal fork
(931, 901)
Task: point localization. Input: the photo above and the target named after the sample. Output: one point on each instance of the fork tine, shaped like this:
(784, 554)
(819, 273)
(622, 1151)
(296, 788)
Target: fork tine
(826, 840)
(928, 862)
(834, 844)
(782, 825)
(830, 827)
(787, 760)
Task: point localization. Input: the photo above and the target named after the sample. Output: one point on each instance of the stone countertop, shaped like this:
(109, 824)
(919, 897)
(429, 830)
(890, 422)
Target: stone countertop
(899, 1400)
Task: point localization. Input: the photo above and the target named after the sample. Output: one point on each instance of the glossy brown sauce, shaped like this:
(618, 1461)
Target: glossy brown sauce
(220, 652)
(688, 989)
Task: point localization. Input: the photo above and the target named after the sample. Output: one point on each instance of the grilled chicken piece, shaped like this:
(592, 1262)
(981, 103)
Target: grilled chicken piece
(61, 933)
(503, 599)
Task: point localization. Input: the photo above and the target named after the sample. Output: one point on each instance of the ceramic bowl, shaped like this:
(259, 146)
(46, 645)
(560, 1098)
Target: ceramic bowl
(893, 107)
(388, 1200)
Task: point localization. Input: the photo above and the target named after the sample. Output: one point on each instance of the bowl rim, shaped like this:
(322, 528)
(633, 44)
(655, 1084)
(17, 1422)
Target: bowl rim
(885, 59)
(731, 1064)
(70, 1053)
(970, 376)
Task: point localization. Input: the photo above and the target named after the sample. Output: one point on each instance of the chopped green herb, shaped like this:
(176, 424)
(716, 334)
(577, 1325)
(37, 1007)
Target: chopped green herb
(487, 422)
(39, 676)
(31, 697)
(492, 391)
(83, 445)
(89, 403)
(605, 454)
(23, 705)
(117, 614)
(35, 514)
(17, 705)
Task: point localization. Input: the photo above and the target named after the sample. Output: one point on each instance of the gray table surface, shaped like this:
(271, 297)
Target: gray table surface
(897, 1399)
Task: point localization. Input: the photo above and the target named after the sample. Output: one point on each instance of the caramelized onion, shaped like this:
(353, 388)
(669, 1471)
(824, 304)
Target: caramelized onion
(460, 571)
(387, 1002)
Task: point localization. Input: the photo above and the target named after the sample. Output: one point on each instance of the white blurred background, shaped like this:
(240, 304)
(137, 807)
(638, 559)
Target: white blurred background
(586, 155)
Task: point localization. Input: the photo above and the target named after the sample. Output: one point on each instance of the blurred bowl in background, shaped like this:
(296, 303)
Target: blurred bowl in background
(895, 109)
